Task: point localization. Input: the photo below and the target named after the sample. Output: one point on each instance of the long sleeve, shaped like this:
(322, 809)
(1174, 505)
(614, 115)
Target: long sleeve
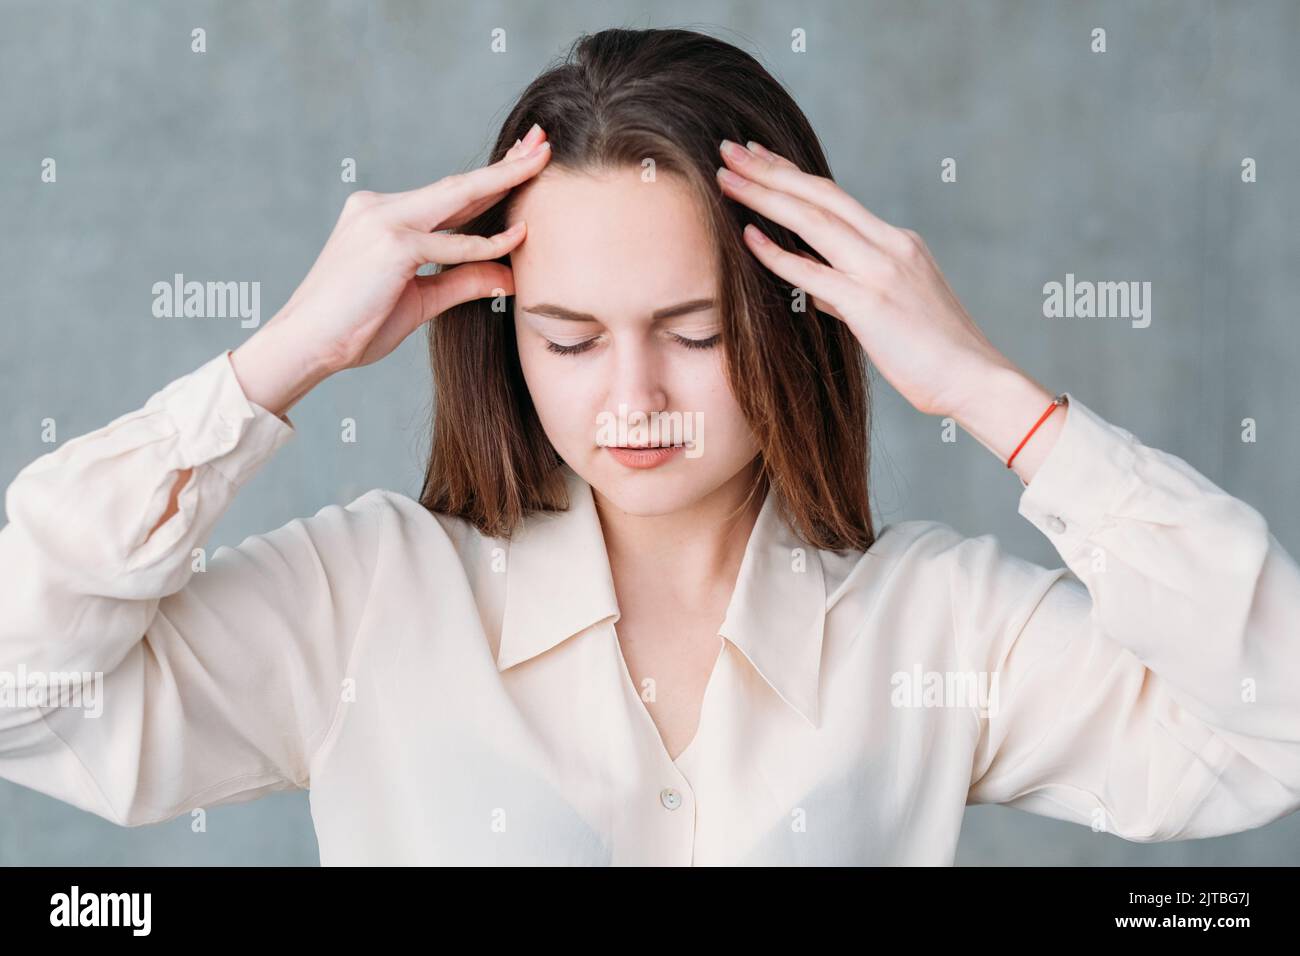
(183, 680)
(1151, 687)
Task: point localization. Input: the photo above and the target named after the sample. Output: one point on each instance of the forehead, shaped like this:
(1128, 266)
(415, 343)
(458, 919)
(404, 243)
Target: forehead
(608, 243)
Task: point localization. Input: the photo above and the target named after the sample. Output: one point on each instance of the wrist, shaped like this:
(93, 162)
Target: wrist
(1004, 411)
(273, 368)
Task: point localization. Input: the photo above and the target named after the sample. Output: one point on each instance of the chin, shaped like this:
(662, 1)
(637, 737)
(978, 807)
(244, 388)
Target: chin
(647, 492)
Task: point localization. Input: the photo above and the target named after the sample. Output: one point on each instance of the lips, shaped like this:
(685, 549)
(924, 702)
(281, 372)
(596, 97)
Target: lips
(644, 456)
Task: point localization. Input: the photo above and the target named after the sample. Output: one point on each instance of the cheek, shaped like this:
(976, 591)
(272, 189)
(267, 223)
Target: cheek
(540, 372)
(727, 421)
(559, 394)
(702, 381)
(708, 392)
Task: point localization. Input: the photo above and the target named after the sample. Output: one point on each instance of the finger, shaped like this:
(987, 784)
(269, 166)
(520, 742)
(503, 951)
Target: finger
(838, 243)
(452, 248)
(530, 139)
(766, 153)
(440, 205)
(820, 304)
(519, 151)
(820, 281)
(403, 199)
(784, 176)
(436, 294)
(463, 283)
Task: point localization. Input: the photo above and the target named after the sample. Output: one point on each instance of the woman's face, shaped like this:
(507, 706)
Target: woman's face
(616, 290)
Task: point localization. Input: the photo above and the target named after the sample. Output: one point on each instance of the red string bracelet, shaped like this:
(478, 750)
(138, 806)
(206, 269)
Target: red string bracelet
(1059, 400)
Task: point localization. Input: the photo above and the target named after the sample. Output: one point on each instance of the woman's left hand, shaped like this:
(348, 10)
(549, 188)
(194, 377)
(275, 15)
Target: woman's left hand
(881, 281)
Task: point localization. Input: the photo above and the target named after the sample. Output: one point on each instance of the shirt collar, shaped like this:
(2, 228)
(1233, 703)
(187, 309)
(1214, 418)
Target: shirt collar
(559, 583)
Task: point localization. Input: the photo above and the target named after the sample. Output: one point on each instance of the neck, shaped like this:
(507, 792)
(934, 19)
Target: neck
(691, 554)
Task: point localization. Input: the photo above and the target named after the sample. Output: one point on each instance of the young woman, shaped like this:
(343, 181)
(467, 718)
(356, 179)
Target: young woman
(586, 646)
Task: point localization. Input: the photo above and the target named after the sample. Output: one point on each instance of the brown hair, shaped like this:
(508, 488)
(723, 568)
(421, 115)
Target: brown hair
(618, 98)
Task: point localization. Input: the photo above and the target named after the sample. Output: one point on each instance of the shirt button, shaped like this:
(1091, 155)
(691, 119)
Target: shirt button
(1056, 524)
(670, 798)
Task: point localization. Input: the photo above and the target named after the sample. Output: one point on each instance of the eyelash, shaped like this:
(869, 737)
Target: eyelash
(581, 347)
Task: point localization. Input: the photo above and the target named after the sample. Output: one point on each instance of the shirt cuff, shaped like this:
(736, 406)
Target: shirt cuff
(216, 422)
(1088, 471)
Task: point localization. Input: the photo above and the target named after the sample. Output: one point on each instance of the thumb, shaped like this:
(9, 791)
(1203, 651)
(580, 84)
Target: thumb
(464, 283)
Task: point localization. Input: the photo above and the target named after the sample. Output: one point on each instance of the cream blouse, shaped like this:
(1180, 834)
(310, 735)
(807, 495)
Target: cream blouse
(450, 698)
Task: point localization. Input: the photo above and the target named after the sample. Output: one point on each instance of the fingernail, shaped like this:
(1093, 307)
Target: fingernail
(517, 143)
(756, 234)
(734, 150)
(728, 178)
(517, 227)
(761, 150)
(531, 135)
(539, 148)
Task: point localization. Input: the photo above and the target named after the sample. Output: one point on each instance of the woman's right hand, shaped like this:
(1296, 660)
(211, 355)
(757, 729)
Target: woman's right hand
(362, 296)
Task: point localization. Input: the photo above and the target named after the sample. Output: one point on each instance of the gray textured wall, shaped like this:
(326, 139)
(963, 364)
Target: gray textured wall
(225, 165)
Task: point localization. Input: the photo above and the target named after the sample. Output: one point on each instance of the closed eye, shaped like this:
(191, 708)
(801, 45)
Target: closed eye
(559, 349)
(682, 340)
(708, 343)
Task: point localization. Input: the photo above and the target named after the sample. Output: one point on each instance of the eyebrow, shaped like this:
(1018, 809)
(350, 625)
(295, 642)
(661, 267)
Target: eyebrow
(668, 312)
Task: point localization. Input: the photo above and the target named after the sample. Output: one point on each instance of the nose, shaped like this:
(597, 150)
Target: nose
(637, 376)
